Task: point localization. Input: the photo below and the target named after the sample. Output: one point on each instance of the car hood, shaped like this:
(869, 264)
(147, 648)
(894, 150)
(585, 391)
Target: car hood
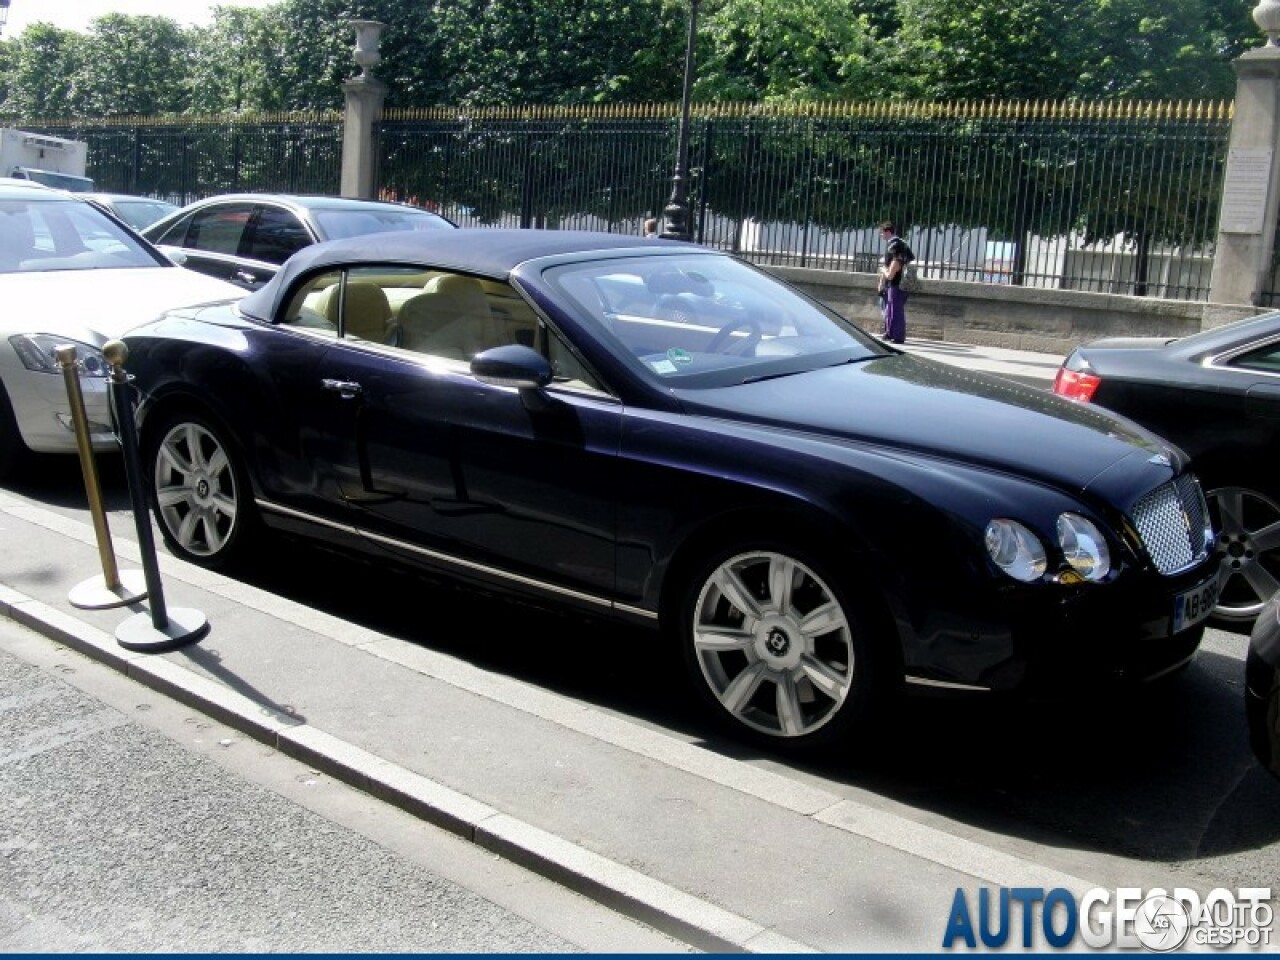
(98, 305)
(920, 406)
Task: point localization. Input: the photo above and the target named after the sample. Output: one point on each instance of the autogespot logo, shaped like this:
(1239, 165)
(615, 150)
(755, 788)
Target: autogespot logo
(1162, 923)
(1127, 918)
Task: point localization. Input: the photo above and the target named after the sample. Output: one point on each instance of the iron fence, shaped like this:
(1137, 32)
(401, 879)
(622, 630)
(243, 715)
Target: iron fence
(1116, 197)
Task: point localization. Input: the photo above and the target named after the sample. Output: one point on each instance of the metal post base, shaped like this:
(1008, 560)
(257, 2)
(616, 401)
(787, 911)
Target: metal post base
(140, 633)
(94, 594)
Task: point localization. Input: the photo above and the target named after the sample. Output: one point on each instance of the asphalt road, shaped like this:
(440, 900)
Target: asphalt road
(1154, 784)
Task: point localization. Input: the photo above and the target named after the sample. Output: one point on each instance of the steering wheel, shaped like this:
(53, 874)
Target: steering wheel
(671, 308)
(744, 347)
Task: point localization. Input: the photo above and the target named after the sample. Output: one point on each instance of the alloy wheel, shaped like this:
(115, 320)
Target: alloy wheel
(774, 644)
(1248, 540)
(196, 489)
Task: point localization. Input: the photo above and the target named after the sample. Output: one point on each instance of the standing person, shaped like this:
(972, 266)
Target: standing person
(650, 228)
(893, 299)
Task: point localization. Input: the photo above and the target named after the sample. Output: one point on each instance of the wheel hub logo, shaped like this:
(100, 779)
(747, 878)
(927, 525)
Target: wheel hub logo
(777, 642)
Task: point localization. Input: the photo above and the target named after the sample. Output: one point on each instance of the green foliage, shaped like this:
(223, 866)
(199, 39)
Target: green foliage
(771, 50)
(134, 66)
(43, 66)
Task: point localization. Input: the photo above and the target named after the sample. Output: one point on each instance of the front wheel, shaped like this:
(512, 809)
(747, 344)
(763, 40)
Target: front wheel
(202, 500)
(779, 650)
(13, 452)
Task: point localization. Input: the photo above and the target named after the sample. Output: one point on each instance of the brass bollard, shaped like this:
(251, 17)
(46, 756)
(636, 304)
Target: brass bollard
(111, 589)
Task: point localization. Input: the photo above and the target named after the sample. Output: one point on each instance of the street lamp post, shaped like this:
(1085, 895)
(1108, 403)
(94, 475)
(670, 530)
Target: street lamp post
(676, 212)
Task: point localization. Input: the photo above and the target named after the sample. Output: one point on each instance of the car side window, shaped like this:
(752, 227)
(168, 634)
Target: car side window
(1265, 359)
(277, 235)
(220, 230)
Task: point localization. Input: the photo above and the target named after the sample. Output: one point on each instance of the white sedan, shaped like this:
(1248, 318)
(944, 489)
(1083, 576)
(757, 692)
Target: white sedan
(70, 275)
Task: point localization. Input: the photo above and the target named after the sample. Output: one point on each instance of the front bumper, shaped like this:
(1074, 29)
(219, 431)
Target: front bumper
(1052, 637)
(42, 410)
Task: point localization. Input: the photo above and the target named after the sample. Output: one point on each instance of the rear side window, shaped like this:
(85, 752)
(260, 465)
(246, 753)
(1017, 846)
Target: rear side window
(277, 235)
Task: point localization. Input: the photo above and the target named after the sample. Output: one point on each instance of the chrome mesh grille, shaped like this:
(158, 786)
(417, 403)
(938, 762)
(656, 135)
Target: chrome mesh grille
(1172, 521)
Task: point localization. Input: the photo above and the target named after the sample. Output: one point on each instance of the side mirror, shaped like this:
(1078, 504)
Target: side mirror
(516, 365)
(513, 365)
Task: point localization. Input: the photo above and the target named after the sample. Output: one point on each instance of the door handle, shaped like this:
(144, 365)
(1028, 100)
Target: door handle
(346, 389)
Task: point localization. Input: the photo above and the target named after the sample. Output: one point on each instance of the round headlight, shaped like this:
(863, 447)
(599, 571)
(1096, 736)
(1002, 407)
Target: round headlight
(1015, 549)
(1083, 546)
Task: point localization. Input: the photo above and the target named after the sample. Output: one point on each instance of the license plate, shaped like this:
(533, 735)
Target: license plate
(1192, 606)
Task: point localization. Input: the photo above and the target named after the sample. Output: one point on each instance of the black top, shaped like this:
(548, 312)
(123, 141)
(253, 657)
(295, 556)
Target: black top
(896, 250)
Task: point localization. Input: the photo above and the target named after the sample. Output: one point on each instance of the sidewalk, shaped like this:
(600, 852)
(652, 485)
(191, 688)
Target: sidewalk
(726, 855)
(1036, 369)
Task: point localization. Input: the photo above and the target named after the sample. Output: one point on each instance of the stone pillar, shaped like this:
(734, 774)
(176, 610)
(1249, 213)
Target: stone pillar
(364, 98)
(1251, 188)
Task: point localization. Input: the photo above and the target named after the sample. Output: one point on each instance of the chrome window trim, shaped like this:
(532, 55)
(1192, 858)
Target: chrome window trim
(446, 558)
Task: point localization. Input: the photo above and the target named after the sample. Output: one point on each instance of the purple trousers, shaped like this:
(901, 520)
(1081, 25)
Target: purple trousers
(894, 309)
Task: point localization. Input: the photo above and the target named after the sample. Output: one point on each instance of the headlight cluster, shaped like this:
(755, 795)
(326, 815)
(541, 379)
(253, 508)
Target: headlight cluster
(1019, 553)
(37, 352)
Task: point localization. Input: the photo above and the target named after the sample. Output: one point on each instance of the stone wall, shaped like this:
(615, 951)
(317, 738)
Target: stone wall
(1015, 318)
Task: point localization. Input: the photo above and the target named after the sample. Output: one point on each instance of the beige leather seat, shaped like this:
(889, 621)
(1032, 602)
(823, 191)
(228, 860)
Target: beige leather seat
(450, 318)
(367, 312)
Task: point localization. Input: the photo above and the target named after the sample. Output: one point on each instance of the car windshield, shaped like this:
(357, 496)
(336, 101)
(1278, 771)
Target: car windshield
(63, 234)
(141, 213)
(337, 224)
(707, 321)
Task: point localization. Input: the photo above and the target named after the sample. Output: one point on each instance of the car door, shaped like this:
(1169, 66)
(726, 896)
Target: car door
(210, 239)
(448, 470)
(275, 234)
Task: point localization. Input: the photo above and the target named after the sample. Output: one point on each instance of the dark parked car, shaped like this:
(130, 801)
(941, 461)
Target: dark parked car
(815, 516)
(1262, 686)
(1215, 394)
(137, 212)
(245, 237)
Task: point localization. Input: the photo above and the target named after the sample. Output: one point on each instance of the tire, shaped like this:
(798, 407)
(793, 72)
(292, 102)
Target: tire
(13, 451)
(779, 651)
(201, 496)
(1247, 525)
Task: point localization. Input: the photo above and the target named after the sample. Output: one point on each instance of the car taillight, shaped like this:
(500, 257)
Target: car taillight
(1076, 384)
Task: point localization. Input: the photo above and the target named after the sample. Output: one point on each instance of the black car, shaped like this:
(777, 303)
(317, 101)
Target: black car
(816, 517)
(1262, 686)
(245, 237)
(1215, 394)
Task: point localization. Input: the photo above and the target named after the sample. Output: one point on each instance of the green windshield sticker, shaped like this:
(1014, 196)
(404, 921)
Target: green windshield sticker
(676, 355)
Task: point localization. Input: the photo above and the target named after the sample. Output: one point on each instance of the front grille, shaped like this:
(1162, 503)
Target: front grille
(1173, 523)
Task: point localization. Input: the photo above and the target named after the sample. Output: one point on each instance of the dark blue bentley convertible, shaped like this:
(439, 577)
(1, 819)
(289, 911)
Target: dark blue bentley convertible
(658, 432)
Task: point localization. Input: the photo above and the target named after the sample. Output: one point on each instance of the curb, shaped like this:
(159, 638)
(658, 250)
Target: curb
(671, 911)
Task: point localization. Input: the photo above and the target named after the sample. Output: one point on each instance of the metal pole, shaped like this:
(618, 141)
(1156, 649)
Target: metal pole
(109, 591)
(676, 212)
(167, 629)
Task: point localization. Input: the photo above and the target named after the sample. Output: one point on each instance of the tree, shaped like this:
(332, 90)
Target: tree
(237, 62)
(768, 50)
(134, 65)
(560, 51)
(45, 63)
(1052, 49)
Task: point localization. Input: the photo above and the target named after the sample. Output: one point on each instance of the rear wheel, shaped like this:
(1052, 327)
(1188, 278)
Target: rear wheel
(1247, 524)
(781, 653)
(201, 495)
